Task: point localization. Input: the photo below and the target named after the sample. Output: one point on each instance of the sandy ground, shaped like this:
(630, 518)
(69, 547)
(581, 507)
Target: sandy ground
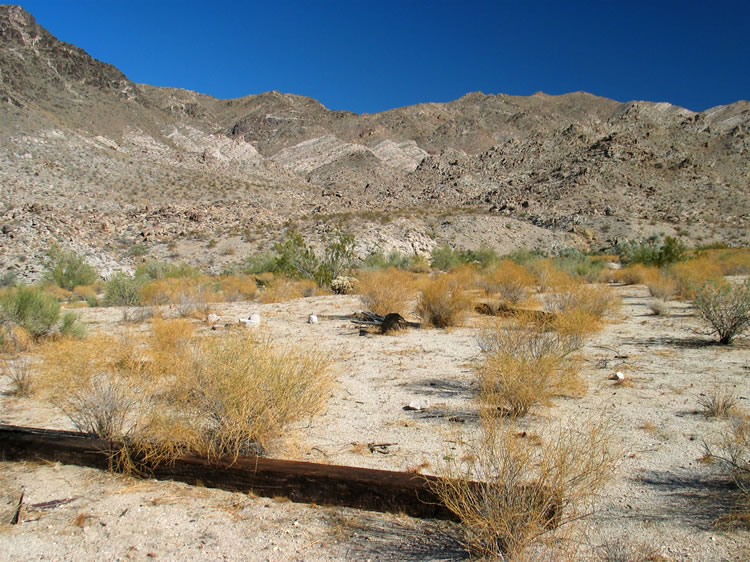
(661, 500)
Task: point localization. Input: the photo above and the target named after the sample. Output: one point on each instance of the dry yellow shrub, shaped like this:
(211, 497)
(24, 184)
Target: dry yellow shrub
(238, 287)
(58, 293)
(443, 301)
(386, 291)
(173, 393)
(693, 274)
(509, 281)
(283, 289)
(636, 274)
(85, 292)
(549, 277)
(529, 487)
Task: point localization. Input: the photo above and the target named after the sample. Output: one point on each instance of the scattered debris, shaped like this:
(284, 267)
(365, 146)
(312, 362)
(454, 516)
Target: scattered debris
(17, 513)
(381, 448)
(389, 322)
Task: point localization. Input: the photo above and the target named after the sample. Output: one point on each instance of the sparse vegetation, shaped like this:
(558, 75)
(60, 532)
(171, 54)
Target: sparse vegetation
(443, 301)
(68, 270)
(527, 487)
(20, 373)
(30, 308)
(719, 403)
(174, 392)
(386, 291)
(726, 308)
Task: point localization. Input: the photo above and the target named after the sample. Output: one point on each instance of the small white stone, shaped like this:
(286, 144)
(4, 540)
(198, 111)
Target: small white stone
(313, 319)
(418, 405)
(212, 318)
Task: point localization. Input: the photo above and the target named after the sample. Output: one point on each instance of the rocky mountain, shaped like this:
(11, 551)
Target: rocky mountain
(98, 163)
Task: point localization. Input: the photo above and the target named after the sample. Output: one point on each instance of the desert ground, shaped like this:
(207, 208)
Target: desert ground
(662, 503)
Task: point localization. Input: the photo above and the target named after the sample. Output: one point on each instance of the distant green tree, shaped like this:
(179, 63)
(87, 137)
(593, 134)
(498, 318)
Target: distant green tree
(68, 269)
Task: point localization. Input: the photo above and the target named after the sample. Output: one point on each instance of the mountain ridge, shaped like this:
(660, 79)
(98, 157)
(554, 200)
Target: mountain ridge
(119, 163)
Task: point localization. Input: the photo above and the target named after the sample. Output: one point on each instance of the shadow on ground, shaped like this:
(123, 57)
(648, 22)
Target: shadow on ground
(698, 500)
(374, 536)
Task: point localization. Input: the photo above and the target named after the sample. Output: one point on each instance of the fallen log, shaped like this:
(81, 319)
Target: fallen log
(362, 488)
(303, 482)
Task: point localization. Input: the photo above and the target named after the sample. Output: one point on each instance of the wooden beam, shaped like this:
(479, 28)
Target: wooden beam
(362, 488)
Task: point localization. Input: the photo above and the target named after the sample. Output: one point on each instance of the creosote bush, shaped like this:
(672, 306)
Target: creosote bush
(527, 487)
(726, 308)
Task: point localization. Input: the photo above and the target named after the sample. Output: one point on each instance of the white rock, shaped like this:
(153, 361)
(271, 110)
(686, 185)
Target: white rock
(313, 319)
(212, 318)
(252, 321)
(618, 376)
(418, 405)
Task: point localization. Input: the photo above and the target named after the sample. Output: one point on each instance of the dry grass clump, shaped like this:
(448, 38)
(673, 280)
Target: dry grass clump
(732, 261)
(549, 277)
(662, 286)
(387, 291)
(510, 281)
(283, 289)
(692, 274)
(96, 384)
(595, 300)
(173, 393)
(511, 491)
(732, 452)
(527, 364)
(719, 403)
(21, 375)
(443, 300)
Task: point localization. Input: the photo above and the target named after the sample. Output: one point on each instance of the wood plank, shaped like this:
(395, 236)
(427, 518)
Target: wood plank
(362, 488)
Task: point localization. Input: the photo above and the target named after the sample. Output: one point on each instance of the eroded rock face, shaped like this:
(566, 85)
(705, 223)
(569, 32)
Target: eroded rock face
(90, 160)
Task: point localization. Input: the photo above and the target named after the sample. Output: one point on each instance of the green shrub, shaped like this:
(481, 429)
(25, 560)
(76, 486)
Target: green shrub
(68, 269)
(485, 256)
(395, 259)
(71, 327)
(577, 264)
(122, 290)
(155, 269)
(446, 258)
(259, 263)
(296, 259)
(652, 251)
(30, 308)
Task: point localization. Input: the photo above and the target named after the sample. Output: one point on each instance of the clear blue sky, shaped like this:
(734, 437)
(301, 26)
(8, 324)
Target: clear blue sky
(368, 56)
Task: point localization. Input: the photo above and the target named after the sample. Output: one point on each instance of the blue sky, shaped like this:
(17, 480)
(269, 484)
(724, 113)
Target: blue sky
(369, 56)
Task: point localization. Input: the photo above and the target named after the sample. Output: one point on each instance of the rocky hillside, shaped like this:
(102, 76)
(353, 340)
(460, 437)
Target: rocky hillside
(101, 164)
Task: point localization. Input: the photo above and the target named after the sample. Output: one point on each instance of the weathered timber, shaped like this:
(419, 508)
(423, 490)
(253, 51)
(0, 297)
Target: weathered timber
(362, 488)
